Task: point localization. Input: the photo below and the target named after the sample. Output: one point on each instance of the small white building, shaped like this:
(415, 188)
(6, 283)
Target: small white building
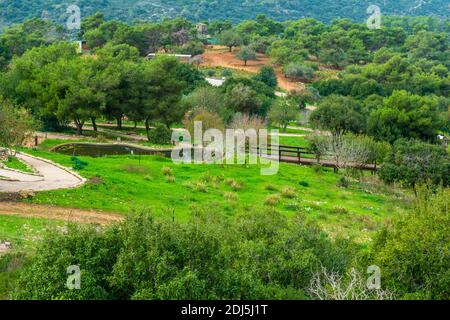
(181, 57)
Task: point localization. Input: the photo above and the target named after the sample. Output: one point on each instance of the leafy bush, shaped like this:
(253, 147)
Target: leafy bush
(208, 257)
(413, 162)
(268, 76)
(78, 164)
(160, 135)
(413, 252)
(298, 71)
(304, 184)
(227, 73)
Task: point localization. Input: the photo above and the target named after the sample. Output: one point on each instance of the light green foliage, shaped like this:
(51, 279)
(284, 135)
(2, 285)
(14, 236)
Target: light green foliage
(282, 113)
(298, 71)
(16, 125)
(245, 54)
(230, 39)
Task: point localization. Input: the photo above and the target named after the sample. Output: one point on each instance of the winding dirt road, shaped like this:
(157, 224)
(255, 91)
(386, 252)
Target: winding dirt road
(49, 176)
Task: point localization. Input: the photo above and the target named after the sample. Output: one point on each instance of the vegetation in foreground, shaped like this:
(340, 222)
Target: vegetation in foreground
(260, 255)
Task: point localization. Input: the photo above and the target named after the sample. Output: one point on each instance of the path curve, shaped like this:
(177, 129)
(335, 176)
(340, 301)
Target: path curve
(49, 176)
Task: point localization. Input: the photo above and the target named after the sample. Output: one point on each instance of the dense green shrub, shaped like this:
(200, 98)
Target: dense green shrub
(160, 135)
(412, 162)
(93, 251)
(414, 252)
(252, 256)
(267, 75)
(78, 164)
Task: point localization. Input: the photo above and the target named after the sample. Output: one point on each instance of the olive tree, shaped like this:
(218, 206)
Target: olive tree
(246, 54)
(16, 126)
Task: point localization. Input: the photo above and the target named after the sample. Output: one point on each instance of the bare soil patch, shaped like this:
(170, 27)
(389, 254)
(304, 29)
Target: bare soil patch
(219, 56)
(57, 213)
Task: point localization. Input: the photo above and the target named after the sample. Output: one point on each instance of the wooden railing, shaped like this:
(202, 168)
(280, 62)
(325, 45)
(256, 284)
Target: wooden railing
(302, 155)
(288, 151)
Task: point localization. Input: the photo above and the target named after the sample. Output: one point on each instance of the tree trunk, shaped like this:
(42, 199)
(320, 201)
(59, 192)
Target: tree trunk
(135, 124)
(119, 123)
(79, 128)
(245, 62)
(231, 48)
(94, 124)
(147, 128)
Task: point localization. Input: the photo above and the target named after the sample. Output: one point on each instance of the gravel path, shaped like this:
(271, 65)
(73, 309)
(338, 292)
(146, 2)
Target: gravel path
(49, 177)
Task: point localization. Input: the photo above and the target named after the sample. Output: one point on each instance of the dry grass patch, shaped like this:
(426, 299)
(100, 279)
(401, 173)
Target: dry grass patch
(231, 196)
(167, 171)
(233, 184)
(272, 200)
(288, 192)
(170, 179)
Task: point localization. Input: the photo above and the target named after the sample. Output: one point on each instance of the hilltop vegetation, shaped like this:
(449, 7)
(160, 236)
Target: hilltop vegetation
(16, 11)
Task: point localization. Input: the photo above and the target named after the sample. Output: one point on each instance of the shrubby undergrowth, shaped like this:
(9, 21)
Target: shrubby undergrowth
(254, 256)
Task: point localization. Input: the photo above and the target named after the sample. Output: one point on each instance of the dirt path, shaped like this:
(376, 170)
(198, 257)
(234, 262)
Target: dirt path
(57, 213)
(221, 57)
(49, 176)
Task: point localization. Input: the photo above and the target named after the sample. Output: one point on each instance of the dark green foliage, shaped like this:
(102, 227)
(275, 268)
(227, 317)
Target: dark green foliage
(412, 162)
(267, 75)
(230, 39)
(78, 164)
(413, 252)
(15, 11)
(52, 124)
(304, 184)
(250, 95)
(339, 115)
(192, 76)
(147, 259)
(93, 251)
(227, 73)
(404, 115)
(160, 135)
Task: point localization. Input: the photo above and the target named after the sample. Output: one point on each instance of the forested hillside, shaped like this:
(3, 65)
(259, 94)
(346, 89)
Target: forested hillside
(13, 11)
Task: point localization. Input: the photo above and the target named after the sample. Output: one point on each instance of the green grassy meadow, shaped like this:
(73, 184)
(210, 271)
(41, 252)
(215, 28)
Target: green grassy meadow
(24, 232)
(123, 183)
